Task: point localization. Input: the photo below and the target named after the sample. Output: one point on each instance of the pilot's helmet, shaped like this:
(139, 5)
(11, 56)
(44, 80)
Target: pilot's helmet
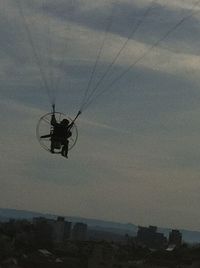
(65, 122)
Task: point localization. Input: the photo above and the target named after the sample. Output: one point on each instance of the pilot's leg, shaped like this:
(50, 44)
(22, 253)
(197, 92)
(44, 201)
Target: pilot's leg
(64, 151)
(52, 145)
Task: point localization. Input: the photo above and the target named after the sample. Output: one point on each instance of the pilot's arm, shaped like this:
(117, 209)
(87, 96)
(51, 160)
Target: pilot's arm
(53, 120)
(70, 125)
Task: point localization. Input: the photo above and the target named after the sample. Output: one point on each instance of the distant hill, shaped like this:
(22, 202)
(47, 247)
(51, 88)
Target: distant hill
(119, 229)
(6, 214)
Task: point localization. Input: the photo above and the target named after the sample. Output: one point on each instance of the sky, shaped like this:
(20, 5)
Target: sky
(137, 158)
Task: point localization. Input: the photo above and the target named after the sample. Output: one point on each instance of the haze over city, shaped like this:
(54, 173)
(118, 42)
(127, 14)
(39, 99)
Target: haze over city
(137, 155)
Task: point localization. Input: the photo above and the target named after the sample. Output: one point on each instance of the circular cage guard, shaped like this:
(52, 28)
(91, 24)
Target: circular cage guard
(44, 128)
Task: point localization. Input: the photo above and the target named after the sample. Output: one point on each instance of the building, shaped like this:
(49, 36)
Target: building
(61, 230)
(175, 238)
(79, 231)
(148, 236)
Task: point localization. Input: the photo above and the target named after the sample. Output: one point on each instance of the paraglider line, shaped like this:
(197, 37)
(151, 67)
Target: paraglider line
(144, 54)
(109, 24)
(38, 62)
(133, 32)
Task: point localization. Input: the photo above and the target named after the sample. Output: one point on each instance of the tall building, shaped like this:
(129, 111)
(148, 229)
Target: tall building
(61, 230)
(175, 238)
(148, 236)
(79, 231)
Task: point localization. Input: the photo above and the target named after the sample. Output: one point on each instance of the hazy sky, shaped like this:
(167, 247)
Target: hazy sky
(137, 158)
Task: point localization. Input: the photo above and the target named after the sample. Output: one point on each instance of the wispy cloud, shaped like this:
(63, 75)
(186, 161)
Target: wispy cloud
(136, 158)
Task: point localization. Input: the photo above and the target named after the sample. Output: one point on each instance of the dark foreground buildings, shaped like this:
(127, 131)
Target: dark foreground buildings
(175, 238)
(148, 236)
(47, 243)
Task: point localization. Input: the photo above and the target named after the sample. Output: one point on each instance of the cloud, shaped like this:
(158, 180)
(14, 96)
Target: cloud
(136, 158)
